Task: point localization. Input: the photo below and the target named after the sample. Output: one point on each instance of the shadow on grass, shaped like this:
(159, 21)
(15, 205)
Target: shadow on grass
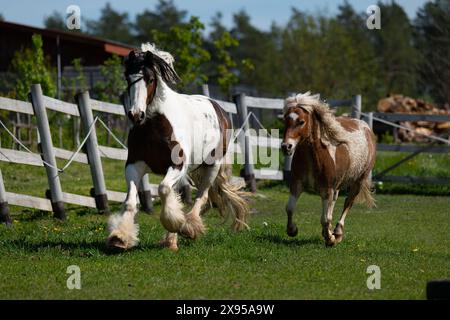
(294, 242)
(75, 247)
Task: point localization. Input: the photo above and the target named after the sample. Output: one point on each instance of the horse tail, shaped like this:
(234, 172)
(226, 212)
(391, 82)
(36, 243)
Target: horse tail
(230, 198)
(365, 194)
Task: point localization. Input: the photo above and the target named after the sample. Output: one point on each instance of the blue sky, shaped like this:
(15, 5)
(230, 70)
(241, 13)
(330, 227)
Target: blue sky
(262, 12)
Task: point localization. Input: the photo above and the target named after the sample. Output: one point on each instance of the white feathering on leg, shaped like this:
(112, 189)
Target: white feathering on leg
(172, 216)
(124, 228)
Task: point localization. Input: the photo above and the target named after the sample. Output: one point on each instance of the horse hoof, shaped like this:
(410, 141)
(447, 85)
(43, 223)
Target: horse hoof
(292, 232)
(169, 245)
(114, 242)
(192, 228)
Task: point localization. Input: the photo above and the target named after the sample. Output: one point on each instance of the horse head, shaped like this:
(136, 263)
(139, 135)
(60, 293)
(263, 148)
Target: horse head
(143, 69)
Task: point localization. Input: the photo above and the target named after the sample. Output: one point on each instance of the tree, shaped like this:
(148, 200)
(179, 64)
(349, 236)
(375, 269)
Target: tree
(394, 45)
(114, 83)
(432, 26)
(256, 54)
(30, 67)
(162, 19)
(222, 68)
(185, 42)
(1, 17)
(55, 21)
(111, 25)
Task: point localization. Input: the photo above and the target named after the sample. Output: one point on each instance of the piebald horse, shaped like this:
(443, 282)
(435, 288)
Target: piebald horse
(179, 136)
(330, 154)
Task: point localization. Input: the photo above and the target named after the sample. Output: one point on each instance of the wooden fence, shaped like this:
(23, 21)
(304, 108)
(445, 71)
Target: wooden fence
(239, 110)
(55, 197)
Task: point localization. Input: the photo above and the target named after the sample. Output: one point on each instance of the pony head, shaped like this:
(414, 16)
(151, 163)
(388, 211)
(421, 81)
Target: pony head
(143, 69)
(306, 117)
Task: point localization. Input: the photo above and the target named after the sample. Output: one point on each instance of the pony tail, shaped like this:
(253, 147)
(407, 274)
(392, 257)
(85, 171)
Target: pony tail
(365, 194)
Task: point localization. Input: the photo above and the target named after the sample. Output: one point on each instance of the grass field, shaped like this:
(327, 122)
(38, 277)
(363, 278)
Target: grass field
(407, 236)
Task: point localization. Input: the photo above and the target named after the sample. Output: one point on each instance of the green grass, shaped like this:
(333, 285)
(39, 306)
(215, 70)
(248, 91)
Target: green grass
(407, 236)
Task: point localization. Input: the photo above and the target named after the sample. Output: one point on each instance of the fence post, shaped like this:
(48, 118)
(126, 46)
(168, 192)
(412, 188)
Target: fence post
(356, 106)
(95, 163)
(205, 90)
(4, 210)
(144, 190)
(47, 152)
(145, 195)
(249, 174)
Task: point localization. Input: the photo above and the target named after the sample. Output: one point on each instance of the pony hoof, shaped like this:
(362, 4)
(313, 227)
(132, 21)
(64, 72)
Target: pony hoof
(169, 245)
(292, 232)
(330, 241)
(338, 238)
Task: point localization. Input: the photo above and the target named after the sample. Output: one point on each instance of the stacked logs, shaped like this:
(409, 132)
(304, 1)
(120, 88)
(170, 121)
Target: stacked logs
(402, 104)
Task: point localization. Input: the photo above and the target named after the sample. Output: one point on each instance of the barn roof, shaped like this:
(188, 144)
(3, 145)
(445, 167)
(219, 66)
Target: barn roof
(92, 50)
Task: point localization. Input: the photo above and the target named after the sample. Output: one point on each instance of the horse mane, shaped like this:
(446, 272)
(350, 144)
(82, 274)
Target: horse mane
(166, 56)
(331, 130)
(151, 57)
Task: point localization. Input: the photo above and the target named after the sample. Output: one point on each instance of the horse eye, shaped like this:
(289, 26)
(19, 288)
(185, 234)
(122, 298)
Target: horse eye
(301, 122)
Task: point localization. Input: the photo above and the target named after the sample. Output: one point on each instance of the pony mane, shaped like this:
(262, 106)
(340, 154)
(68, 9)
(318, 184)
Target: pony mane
(331, 130)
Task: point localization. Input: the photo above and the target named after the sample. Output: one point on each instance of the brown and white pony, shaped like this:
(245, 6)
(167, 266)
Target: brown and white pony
(182, 137)
(330, 154)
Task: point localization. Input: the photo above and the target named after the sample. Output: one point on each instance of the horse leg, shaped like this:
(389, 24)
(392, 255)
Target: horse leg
(172, 216)
(295, 191)
(193, 226)
(170, 240)
(339, 230)
(328, 202)
(123, 232)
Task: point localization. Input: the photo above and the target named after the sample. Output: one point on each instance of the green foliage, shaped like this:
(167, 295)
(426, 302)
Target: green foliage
(78, 83)
(31, 67)
(226, 78)
(111, 25)
(55, 21)
(185, 42)
(165, 16)
(387, 138)
(433, 40)
(114, 82)
(394, 45)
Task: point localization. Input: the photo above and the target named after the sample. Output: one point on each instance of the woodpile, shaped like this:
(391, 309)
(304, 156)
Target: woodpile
(402, 104)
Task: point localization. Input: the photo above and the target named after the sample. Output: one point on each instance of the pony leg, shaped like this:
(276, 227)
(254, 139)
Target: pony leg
(339, 230)
(295, 191)
(172, 215)
(328, 202)
(193, 226)
(123, 232)
(170, 240)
